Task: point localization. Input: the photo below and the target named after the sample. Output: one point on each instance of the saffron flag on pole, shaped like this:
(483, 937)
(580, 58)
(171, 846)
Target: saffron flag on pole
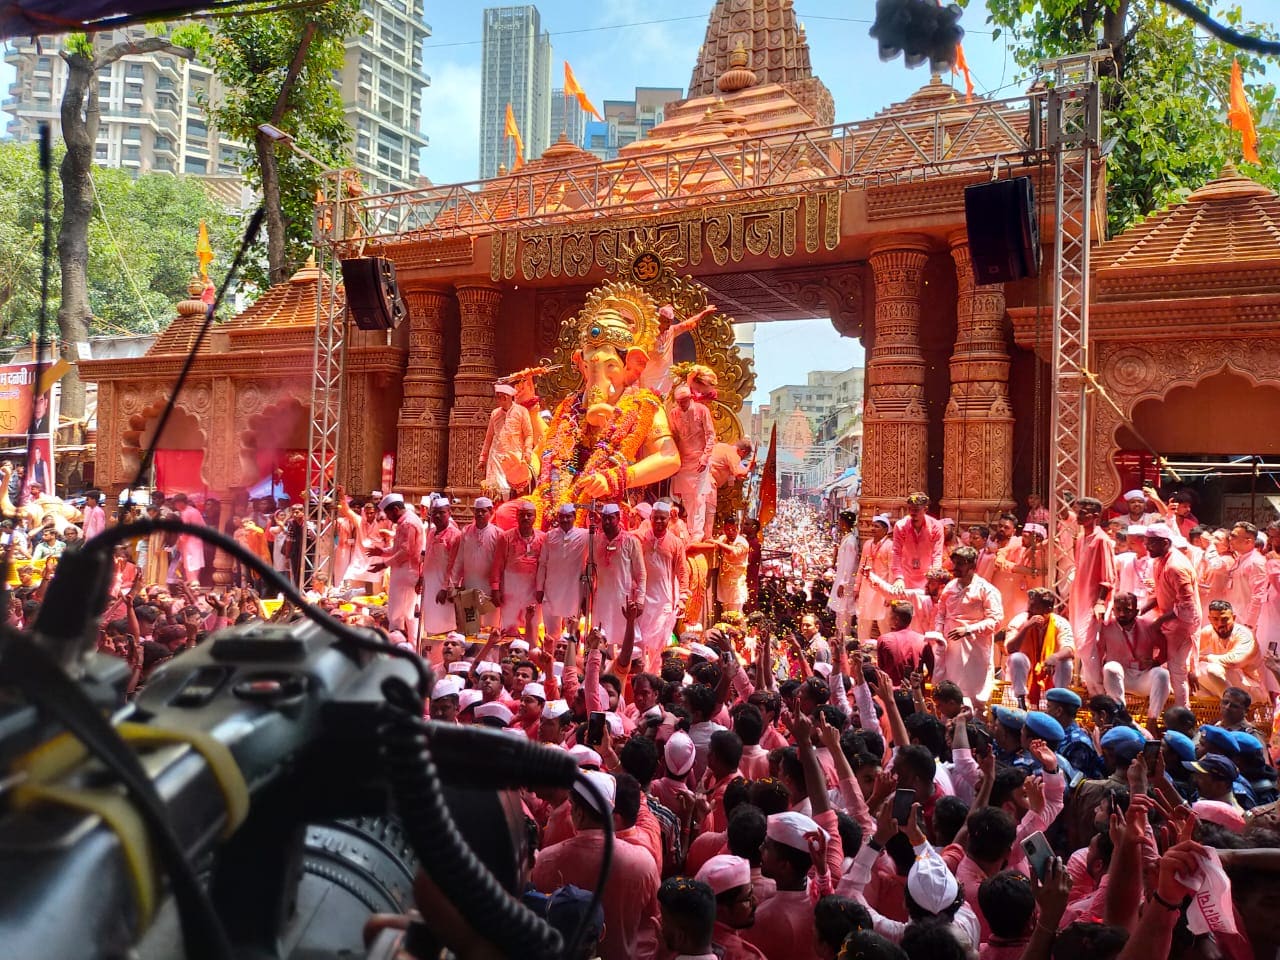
(204, 251)
(962, 65)
(769, 481)
(204, 256)
(1239, 116)
(573, 89)
(511, 131)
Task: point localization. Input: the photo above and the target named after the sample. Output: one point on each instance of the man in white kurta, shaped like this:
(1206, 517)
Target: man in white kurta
(515, 571)
(620, 575)
(404, 559)
(666, 584)
(841, 601)
(695, 435)
(473, 564)
(966, 615)
(508, 441)
(443, 536)
(875, 568)
(560, 566)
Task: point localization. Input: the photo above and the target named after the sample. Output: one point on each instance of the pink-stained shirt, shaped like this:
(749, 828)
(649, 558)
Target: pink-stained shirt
(976, 610)
(630, 892)
(1127, 646)
(406, 545)
(516, 556)
(620, 578)
(440, 549)
(560, 566)
(95, 521)
(731, 945)
(473, 563)
(969, 874)
(694, 433)
(666, 571)
(1239, 651)
(754, 763)
(1246, 586)
(1013, 596)
(898, 653)
(1176, 591)
(784, 927)
(1095, 566)
(916, 552)
(191, 548)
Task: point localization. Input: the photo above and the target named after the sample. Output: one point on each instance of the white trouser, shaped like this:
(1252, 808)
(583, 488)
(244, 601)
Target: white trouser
(1019, 665)
(1155, 684)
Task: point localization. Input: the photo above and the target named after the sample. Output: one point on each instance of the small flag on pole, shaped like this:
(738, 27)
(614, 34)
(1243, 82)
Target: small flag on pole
(573, 89)
(769, 481)
(204, 252)
(962, 65)
(513, 132)
(1239, 116)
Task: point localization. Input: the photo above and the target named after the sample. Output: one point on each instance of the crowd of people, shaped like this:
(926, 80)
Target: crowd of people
(907, 746)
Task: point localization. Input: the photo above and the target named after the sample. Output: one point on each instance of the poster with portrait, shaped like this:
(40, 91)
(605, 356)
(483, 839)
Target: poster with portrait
(25, 404)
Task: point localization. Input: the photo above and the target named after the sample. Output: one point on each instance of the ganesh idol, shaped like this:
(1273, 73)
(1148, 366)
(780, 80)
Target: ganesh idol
(610, 436)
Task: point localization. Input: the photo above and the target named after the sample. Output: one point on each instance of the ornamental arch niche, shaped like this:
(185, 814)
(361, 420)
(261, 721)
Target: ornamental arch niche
(275, 436)
(184, 435)
(1158, 382)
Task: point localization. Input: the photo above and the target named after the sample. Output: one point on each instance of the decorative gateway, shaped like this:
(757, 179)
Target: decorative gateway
(608, 436)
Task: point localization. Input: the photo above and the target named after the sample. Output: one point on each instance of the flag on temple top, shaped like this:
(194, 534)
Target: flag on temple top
(769, 481)
(962, 65)
(513, 132)
(573, 89)
(1239, 116)
(204, 252)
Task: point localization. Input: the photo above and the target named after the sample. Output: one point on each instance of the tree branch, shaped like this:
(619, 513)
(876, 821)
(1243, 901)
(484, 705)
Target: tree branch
(145, 45)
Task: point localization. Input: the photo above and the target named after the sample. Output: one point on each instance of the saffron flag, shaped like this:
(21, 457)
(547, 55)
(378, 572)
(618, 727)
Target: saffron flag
(962, 65)
(511, 131)
(204, 252)
(769, 481)
(1239, 116)
(573, 89)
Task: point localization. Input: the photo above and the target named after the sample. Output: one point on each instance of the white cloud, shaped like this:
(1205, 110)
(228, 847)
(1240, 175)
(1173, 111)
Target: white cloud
(451, 119)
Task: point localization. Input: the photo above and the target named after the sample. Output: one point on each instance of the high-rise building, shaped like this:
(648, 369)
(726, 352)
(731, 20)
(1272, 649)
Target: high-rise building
(567, 117)
(150, 105)
(382, 86)
(626, 121)
(153, 118)
(515, 69)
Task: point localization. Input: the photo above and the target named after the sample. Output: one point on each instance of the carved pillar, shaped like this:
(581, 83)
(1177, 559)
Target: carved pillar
(895, 422)
(422, 444)
(978, 425)
(473, 386)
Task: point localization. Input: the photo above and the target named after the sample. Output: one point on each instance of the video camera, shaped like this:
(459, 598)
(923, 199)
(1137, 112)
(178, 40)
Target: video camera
(298, 776)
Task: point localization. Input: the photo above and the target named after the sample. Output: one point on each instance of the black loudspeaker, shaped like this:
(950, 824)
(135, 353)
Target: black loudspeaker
(1004, 235)
(372, 295)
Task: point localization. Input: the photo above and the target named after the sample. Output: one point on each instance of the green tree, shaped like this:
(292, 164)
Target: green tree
(279, 68)
(140, 244)
(1164, 98)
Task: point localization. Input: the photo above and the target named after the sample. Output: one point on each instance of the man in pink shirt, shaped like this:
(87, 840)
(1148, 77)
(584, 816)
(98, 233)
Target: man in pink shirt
(1177, 600)
(917, 544)
(620, 573)
(1247, 582)
(666, 584)
(439, 551)
(630, 892)
(1227, 655)
(695, 435)
(190, 550)
(1095, 578)
(729, 878)
(560, 566)
(404, 557)
(473, 561)
(725, 467)
(902, 651)
(515, 571)
(1128, 645)
(95, 518)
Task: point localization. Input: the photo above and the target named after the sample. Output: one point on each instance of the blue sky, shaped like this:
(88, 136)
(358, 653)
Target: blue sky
(617, 45)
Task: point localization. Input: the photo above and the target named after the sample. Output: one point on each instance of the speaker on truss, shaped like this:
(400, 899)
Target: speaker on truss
(372, 295)
(1004, 235)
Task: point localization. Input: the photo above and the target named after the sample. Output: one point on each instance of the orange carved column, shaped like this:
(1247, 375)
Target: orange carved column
(422, 445)
(895, 422)
(978, 424)
(473, 386)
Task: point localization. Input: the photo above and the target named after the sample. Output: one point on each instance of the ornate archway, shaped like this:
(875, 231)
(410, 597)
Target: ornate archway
(1134, 373)
(182, 432)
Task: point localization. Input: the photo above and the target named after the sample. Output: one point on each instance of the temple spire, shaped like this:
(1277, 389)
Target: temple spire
(776, 47)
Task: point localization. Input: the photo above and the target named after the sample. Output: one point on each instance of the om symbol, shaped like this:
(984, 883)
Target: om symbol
(646, 268)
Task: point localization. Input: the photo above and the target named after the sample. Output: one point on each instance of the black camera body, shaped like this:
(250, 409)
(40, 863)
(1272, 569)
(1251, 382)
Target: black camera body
(300, 715)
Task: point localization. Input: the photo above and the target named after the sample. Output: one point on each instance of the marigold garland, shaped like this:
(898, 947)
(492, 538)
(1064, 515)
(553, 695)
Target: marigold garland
(613, 449)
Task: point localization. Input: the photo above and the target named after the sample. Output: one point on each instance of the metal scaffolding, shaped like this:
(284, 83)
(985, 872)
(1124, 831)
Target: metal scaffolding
(1074, 132)
(328, 356)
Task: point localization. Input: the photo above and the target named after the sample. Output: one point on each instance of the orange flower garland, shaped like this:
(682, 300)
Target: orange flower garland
(614, 448)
